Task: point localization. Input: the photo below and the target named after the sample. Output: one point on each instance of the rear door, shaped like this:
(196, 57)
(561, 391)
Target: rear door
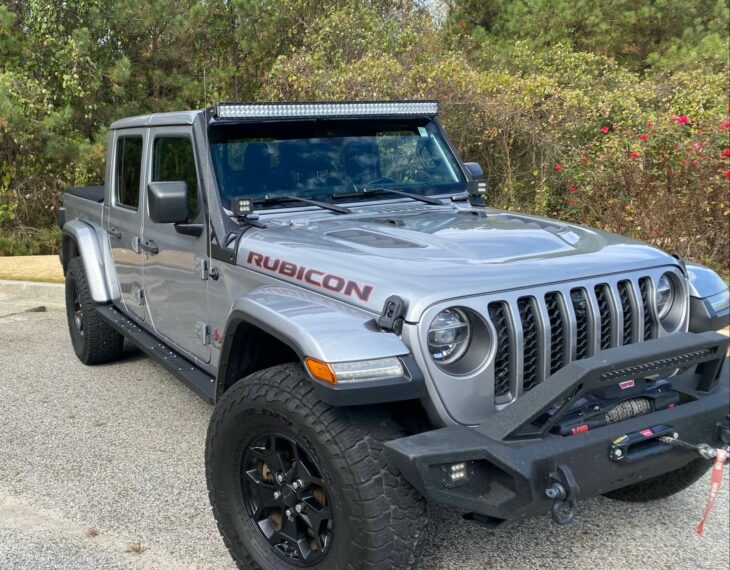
(125, 217)
(175, 278)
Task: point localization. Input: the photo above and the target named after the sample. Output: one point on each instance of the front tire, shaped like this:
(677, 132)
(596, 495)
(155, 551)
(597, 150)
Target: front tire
(273, 447)
(93, 340)
(662, 486)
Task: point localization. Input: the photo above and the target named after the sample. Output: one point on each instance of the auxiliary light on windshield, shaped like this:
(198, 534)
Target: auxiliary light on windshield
(314, 110)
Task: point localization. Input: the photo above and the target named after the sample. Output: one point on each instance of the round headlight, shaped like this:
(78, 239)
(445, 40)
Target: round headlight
(449, 336)
(664, 296)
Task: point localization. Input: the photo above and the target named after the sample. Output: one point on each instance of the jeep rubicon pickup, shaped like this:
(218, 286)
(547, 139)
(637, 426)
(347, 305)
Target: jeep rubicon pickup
(375, 337)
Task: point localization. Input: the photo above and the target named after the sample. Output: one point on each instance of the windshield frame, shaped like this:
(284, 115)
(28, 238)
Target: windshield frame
(259, 129)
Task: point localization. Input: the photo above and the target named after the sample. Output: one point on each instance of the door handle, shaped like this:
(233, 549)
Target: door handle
(150, 247)
(115, 233)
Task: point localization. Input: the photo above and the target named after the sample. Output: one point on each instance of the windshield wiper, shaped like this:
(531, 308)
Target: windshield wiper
(290, 198)
(379, 190)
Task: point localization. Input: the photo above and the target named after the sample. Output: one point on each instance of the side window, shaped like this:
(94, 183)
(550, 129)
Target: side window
(174, 161)
(128, 170)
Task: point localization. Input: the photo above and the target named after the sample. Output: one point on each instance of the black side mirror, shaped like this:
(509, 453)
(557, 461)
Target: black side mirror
(168, 202)
(477, 184)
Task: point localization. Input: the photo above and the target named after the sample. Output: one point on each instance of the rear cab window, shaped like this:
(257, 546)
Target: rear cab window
(128, 171)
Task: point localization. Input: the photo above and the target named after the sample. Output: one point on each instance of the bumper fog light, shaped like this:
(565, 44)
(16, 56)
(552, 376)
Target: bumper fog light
(458, 472)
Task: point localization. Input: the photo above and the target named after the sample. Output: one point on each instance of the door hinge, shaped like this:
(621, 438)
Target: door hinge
(200, 265)
(138, 294)
(202, 332)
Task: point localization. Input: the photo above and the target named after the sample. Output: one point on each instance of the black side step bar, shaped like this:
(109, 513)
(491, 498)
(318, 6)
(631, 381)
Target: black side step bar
(201, 382)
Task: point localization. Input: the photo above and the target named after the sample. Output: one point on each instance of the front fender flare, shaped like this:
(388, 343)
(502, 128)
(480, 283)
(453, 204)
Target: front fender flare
(326, 329)
(87, 246)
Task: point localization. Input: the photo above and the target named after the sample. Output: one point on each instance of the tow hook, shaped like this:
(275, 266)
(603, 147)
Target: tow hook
(704, 450)
(562, 490)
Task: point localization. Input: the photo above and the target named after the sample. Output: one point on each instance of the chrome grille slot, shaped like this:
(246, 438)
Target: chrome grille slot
(558, 336)
(538, 334)
(645, 288)
(627, 308)
(503, 359)
(531, 342)
(603, 294)
(583, 322)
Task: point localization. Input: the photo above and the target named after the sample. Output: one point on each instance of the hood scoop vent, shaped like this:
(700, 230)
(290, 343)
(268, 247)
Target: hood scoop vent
(371, 239)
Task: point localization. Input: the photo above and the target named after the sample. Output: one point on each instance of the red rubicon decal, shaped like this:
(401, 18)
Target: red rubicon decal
(314, 277)
(627, 384)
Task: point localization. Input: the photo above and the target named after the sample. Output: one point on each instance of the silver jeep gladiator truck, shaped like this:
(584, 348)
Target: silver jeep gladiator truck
(374, 336)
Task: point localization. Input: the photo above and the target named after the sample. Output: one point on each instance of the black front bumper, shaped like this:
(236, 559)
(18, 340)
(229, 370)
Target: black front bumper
(512, 459)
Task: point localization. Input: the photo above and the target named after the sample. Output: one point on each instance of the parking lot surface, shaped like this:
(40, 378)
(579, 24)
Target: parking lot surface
(102, 467)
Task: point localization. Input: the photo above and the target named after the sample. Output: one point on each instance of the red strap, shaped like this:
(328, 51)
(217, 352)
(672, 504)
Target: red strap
(715, 482)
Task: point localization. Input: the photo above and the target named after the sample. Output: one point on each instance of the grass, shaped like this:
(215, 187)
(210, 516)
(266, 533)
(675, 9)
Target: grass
(41, 268)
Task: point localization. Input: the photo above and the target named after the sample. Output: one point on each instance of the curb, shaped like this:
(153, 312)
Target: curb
(33, 290)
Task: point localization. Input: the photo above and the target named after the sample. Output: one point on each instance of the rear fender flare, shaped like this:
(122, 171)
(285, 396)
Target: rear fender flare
(87, 245)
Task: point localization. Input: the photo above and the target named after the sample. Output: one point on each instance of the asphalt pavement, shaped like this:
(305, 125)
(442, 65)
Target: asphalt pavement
(102, 467)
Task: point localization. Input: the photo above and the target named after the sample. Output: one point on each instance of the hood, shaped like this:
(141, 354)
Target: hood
(427, 254)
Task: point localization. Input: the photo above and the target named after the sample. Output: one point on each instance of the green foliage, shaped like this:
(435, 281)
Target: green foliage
(29, 241)
(636, 33)
(524, 87)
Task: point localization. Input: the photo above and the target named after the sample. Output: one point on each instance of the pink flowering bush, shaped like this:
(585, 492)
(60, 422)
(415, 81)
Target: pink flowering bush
(665, 183)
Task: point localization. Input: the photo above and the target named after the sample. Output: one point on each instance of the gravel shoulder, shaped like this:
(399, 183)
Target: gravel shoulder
(103, 468)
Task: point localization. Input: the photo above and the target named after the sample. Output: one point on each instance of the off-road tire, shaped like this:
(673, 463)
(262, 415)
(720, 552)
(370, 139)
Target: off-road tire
(662, 486)
(98, 343)
(379, 519)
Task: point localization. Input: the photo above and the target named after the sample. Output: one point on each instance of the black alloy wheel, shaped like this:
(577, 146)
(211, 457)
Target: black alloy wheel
(78, 310)
(286, 498)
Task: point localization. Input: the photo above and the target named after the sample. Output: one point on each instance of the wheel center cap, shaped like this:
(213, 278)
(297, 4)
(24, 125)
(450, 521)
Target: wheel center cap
(289, 496)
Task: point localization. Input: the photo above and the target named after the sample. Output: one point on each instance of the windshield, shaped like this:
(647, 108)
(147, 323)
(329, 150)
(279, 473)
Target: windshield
(320, 159)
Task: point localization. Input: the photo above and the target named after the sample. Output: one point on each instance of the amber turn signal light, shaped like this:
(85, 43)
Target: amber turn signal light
(320, 370)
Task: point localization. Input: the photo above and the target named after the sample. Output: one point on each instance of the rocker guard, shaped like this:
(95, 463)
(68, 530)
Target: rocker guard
(511, 462)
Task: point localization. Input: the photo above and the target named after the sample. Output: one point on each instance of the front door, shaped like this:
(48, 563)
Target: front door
(175, 278)
(125, 217)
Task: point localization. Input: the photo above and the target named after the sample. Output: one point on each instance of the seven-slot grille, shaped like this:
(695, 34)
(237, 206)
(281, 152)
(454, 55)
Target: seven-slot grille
(551, 329)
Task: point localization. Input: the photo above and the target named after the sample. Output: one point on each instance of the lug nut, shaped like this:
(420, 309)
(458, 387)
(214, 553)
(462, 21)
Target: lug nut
(299, 508)
(288, 513)
(618, 453)
(297, 485)
(280, 478)
(277, 495)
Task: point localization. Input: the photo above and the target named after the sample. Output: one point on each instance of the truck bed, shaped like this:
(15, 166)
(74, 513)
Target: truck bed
(83, 203)
(93, 193)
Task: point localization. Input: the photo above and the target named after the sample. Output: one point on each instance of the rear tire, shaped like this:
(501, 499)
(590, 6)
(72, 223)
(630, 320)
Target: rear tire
(662, 486)
(93, 340)
(376, 520)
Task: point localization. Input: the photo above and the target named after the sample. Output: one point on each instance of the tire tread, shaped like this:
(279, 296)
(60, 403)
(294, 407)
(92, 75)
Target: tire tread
(393, 515)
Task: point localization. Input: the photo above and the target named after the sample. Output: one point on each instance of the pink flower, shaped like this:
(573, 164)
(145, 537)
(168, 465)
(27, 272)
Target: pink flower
(573, 202)
(558, 167)
(725, 124)
(727, 174)
(681, 119)
(650, 124)
(572, 189)
(644, 137)
(605, 130)
(726, 153)
(634, 154)
(697, 145)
